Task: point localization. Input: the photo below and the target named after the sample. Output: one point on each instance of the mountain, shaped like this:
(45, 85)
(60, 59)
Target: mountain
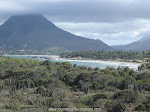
(35, 32)
(140, 45)
(144, 38)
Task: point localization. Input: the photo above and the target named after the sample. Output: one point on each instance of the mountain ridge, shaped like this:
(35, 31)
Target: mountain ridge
(140, 45)
(37, 33)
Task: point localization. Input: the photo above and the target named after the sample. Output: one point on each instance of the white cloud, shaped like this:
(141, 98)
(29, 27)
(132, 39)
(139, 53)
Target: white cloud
(9, 5)
(112, 21)
(81, 10)
(110, 33)
(50, 0)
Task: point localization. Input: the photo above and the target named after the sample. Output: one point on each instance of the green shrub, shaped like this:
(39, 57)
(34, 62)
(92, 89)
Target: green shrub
(12, 105)
(91, 99)
(67, 104)
(128, 96)
(52, 103)
(145, 106)
(114, 106)
(47, 63)
(100, 96)
(41, 89)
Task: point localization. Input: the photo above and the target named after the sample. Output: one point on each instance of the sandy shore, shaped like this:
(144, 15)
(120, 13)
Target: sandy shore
(96, 61)
(115, 63)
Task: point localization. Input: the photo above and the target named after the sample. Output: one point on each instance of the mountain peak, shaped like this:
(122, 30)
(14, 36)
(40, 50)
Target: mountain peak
(28, 22)
(27, 15)
(34, 31)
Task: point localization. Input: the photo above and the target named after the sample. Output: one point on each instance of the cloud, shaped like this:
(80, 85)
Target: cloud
(110, 33)
(81, 11)
(11, 6)
(112, 21)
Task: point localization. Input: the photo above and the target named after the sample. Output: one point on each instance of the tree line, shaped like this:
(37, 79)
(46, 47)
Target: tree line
(107, 54)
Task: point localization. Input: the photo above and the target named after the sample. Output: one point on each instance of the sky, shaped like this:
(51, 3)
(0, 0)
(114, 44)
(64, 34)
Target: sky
(115, 22)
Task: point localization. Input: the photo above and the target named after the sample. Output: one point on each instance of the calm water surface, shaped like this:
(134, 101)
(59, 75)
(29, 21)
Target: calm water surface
(90, 63)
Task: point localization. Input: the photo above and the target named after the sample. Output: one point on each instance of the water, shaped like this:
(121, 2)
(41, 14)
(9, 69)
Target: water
(90, 63)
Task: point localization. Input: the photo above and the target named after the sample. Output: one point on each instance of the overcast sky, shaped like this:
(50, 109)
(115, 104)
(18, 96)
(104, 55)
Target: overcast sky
(113, 21)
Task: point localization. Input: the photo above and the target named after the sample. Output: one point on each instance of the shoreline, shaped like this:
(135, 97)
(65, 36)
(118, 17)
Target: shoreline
(57, 57)
(110, 63)
(93, 60)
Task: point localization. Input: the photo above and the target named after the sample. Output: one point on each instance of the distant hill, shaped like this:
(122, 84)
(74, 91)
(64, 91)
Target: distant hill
(140, 45)
(37, 33)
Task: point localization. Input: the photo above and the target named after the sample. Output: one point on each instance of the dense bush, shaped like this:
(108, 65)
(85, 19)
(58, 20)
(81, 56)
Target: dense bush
(128, 96)
(113, 106)
(145, 106)
(53, 84)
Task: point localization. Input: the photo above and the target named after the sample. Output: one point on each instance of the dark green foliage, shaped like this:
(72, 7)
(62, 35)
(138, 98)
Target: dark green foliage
(41, 90)
(91, 99)
(1, 87)
(100, 96)
(74, 65)
(128, 96)
(144, 78)
(114, 106)
(145, 106)
(54, 85)
(107, 55)
(126, 82)
(94, 80)
(47, 63)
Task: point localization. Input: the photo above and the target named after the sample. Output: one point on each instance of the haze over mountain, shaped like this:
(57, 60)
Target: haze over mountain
(140, 45)
(37, 33)
(145, 38)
